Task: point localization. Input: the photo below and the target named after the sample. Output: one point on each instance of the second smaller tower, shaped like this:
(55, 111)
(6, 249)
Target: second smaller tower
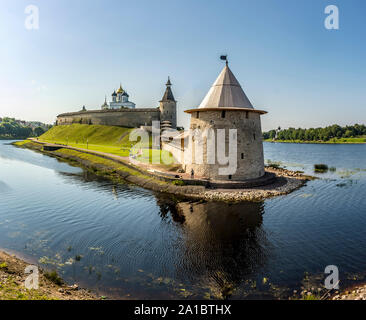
(168, 108)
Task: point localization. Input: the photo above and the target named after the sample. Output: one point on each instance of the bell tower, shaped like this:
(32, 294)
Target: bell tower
(168, 108)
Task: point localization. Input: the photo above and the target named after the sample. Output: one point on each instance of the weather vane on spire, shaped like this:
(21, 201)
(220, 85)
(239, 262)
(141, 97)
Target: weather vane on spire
(224, 57)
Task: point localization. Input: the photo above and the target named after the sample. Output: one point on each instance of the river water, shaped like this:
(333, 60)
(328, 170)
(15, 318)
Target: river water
(126, 242)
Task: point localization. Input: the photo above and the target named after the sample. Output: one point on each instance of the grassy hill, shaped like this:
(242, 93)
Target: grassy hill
(95, 137)
(95, 134)
(109, 139)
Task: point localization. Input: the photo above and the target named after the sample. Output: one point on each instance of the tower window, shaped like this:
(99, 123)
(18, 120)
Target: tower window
(198, 115)
(247, 115)
(230, 177)
(242, 155)
(254, 136)
(223, 114)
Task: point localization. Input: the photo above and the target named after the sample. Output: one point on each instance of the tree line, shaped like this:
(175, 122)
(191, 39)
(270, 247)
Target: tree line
(13, 129)
(316, 134)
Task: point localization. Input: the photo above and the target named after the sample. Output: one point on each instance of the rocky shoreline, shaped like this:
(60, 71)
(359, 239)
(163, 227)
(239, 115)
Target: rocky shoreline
(286, 181)
(355, 293)
(12, 283)
(283, 185)
(12, 280)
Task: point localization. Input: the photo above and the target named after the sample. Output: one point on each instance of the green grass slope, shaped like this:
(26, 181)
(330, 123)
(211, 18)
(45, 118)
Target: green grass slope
(102, 135)
(109, 139)
(95, 137)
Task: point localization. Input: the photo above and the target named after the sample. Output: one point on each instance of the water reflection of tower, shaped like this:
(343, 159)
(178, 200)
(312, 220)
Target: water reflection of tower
(223, 244)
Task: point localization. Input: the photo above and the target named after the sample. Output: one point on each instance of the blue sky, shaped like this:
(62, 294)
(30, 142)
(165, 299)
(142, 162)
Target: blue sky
(279, 50)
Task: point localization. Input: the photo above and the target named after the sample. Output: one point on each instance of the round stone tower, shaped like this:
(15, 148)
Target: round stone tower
(227, 107)
(168, 108)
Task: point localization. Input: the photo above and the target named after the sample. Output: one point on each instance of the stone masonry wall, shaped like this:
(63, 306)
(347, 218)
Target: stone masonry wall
(168, 111)
(129, 118)
(250, 160)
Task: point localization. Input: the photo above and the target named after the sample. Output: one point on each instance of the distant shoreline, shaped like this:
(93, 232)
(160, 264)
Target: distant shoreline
(13, 138)
(316, 142)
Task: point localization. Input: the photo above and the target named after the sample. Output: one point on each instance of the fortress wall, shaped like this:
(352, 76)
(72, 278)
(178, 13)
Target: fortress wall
(249, 144)
(129, 118)
(175, 149)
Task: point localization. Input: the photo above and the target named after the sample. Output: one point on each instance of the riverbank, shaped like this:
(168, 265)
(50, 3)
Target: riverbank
(12, 280)
(118, 213)
(117, 168)
(354, 293)
(51, 287)
(12, 138)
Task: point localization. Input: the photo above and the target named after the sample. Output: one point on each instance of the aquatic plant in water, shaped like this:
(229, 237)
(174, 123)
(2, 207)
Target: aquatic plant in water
(320, 168)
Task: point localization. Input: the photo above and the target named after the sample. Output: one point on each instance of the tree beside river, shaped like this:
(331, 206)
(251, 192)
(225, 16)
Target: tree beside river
(11, 128)
(330, 134)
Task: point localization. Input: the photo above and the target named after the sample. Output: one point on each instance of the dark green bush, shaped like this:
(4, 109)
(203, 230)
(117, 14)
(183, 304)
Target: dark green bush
(178, 183)
(54, 277)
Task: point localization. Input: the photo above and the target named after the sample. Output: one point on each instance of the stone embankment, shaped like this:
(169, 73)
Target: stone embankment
(283, 185)
(281, 181)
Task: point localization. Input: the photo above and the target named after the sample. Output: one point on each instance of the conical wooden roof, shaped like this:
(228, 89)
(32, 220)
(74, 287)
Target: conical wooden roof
(226, 92)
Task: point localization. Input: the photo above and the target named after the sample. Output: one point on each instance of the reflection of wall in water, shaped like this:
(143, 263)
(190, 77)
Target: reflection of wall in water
(93, 180)
(223, 243)
(168, 208)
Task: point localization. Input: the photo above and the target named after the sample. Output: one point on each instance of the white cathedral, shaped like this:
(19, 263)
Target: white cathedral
(119, 100)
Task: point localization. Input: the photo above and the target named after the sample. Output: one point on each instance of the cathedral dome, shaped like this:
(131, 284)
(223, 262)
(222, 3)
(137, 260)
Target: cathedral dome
(120, 90)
